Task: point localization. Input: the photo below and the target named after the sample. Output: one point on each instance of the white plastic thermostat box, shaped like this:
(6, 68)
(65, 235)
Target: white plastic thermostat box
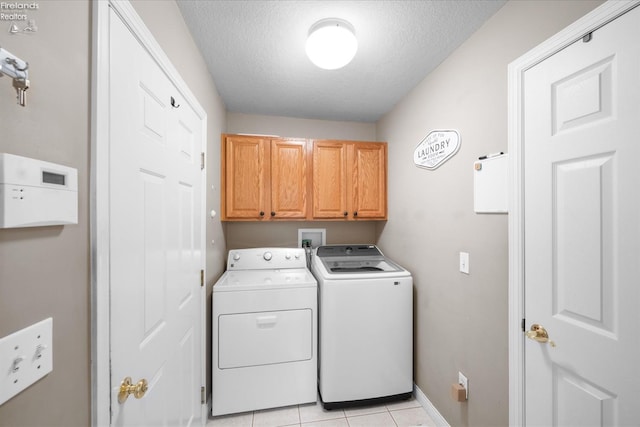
(35, 193)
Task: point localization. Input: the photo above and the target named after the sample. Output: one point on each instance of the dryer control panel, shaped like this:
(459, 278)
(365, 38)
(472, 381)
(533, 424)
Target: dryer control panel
(266, 258)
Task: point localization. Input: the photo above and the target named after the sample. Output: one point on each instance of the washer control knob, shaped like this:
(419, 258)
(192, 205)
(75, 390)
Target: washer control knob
(267, 256)
(297, 256)
(236, 256)
(287, 255)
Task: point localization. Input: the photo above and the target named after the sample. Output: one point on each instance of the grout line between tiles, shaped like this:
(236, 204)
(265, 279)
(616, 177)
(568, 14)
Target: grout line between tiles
(349, 419)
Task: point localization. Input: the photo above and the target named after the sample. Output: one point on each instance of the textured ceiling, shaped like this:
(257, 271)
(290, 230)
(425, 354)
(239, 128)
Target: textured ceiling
(255, 51)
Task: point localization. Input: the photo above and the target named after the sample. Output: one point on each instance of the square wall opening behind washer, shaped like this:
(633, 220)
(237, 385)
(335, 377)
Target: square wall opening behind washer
(317, 237)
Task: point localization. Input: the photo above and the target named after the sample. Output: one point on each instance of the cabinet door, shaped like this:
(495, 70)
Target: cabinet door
(330, 179)
(288, 179)
(369, 196)
(246, 177)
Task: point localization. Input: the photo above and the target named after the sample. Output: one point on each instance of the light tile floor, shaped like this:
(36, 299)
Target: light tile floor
(398, 414)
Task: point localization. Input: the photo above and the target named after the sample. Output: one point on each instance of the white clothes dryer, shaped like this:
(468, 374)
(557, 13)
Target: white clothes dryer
(366, 326)
(264, 331)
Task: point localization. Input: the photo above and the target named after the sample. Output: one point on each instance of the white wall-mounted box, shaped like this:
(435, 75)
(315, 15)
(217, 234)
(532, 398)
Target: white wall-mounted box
(318, 236)
(490, 184)
(36, 193)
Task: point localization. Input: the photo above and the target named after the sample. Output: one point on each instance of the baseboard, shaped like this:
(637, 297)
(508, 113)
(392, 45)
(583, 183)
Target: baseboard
(429, 408)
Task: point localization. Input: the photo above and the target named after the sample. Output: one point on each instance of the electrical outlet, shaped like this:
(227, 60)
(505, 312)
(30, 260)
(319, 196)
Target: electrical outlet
(464, 262)
(464, 382)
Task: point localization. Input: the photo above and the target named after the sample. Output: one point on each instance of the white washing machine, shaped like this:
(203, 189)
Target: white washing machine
(264, 335)
(366, 326)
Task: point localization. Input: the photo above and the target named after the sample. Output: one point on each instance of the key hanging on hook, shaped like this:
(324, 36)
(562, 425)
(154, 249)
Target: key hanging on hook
(21, 84)
(17, 69)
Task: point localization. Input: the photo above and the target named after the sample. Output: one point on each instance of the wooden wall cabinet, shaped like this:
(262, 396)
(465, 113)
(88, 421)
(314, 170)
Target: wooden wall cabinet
(270, 178)
(349, 180)
(264, 178)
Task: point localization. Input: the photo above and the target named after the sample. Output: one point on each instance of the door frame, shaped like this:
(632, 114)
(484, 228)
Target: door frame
(597, 18)
(99, 195)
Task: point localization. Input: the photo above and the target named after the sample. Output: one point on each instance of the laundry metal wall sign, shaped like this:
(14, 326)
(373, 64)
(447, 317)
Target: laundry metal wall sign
(436, 148)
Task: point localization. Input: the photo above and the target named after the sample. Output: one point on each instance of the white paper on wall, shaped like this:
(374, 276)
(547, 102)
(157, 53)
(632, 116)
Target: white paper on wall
(490, 184)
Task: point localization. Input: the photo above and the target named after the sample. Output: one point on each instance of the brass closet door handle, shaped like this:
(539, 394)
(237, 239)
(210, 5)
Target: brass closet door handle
(539, 333)
(127, 387)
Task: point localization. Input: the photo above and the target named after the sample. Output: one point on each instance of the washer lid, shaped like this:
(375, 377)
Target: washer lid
(348, 251)
(354, 262)
(361, 266)
(377, 265)
(249, 280)
(355, 259)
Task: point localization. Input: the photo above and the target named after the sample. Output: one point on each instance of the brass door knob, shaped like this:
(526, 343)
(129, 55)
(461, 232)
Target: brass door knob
(539, 333)
(127, 387)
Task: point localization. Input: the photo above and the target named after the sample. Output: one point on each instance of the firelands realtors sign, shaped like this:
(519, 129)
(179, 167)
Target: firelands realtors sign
(18, 16)
(436, 148)
(14, 11)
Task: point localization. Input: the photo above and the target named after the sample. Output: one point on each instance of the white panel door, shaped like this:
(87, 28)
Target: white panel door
(582, 230)
(155, 232)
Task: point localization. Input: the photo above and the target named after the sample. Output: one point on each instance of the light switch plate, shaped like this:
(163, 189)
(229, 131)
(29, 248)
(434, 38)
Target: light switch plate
(464, 262)
(25, 357)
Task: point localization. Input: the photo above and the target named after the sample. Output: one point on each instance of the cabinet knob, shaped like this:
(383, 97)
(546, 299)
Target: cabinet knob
(261, 213)
(273, 214)
(355, 213)
(346, 213)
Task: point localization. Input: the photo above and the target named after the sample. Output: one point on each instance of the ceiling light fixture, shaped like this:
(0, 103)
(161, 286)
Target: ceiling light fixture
(332, 43)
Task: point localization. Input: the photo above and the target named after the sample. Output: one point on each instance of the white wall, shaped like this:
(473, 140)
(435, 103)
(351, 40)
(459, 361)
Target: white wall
(461, 320)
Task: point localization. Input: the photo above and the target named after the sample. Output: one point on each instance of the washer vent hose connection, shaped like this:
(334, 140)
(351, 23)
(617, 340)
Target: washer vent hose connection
(306, 244)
